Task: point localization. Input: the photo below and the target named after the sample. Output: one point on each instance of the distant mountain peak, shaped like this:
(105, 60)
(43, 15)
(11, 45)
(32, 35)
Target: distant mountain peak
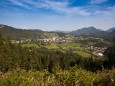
(85, 30)
(111, 29)
(91, 27)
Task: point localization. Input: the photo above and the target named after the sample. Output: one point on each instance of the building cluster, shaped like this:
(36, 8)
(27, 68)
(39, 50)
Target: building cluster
(15, 41)
(98, 51)
(47, 39)
(21, 41)
(58, 39)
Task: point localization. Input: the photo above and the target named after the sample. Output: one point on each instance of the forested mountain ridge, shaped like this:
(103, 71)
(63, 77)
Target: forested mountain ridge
(16, 33)
(85, 31)
(92, 31)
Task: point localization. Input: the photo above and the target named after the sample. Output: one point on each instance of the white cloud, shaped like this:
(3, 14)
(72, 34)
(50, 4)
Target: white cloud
(63, 7)
(57, 6)
(19, 3)
(109, 12)
(97, 12)
(97, 1)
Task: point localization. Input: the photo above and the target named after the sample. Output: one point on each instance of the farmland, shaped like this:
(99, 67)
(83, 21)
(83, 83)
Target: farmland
(29, 45)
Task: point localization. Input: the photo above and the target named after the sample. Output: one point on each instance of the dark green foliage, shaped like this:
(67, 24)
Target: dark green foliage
(101, 44)
(110, 53)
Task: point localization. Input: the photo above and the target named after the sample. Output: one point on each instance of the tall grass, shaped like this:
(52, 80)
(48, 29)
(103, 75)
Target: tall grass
(73, 77)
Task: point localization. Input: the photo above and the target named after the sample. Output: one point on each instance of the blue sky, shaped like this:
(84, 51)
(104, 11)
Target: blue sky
(65, 15)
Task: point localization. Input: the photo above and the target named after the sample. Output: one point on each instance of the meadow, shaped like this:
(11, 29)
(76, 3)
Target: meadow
(83, 54)
(30, 45)
(64, 47)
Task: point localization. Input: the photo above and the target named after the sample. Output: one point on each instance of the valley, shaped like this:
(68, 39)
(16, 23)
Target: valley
(53, 56)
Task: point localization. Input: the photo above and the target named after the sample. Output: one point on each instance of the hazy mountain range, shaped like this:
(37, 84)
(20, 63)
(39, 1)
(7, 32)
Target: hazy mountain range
(92, 31)
(31, 33)
(111, 29)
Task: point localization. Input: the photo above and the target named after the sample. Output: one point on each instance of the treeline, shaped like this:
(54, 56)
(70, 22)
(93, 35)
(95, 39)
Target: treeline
(110, 53)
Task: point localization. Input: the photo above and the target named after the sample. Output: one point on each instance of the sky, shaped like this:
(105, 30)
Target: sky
(64, 15)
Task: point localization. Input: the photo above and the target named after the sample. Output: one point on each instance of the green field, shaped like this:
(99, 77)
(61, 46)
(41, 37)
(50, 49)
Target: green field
(51, 46)
(54, 45)
(62, 45)
(30, 45)
(83, 54)
(70, 44)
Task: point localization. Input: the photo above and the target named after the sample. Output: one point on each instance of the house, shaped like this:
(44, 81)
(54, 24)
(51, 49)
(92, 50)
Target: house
(15, 41)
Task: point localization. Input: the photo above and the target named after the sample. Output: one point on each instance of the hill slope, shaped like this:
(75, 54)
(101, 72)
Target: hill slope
(15, 33)
(110, 30)
(85, 31)
(92, 31)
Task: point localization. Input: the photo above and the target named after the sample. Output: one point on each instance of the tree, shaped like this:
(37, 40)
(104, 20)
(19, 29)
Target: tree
(110, 53)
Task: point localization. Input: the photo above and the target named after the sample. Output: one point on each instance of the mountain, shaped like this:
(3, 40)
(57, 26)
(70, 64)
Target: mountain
(102, 34)
(36, 30)
(113, 33)
(86, 31)
(16, 33)
(111, 29)
(92, 31)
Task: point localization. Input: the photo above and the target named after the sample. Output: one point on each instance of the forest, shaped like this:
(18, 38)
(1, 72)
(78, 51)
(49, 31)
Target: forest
(31, 66)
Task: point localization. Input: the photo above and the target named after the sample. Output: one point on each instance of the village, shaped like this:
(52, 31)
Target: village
(97, 51)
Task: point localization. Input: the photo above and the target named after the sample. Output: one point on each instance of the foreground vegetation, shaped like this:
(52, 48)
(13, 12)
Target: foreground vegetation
(73, 77)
